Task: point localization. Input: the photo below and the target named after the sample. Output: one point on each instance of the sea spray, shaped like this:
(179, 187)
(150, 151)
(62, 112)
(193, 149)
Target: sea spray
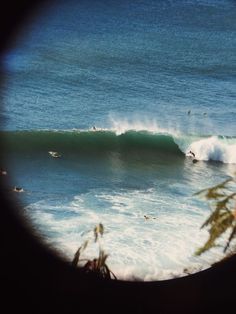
(121, 126)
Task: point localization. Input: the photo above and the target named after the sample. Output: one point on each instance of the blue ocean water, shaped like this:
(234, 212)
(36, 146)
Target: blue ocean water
(156, 79)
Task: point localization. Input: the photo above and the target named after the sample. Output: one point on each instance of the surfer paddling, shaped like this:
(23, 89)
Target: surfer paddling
(94, 128)
(18, 189)
(147, 217)
(54, 154)
(3, 172)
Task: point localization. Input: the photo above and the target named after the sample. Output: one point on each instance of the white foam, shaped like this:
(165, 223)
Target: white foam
(213, 148)
(150, 249)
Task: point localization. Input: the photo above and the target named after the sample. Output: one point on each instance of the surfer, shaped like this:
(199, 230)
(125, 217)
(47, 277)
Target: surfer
(191, 153)
(54, 154)
(189, 112)
(18, 189)
(94, 128)
(3, 172)
(146, 217)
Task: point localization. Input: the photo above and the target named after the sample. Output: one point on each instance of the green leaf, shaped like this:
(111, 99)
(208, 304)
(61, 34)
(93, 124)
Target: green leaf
(76, 257)
(232, 235)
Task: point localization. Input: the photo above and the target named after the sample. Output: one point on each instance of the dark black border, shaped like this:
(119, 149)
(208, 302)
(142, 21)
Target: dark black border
(34, 279)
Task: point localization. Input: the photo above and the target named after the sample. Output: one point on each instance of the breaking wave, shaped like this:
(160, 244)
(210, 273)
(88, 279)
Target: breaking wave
(99, 141)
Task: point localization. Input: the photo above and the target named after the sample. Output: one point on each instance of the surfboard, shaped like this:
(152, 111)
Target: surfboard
(54, 154)
(188, 155)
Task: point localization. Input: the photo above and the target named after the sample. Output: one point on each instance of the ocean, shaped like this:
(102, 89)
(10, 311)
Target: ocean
(122, 90)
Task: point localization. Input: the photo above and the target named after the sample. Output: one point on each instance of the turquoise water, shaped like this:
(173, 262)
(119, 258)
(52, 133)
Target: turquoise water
(156, 79)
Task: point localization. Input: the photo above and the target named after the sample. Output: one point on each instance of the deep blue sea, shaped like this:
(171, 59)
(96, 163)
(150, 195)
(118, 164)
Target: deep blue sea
(123, 90)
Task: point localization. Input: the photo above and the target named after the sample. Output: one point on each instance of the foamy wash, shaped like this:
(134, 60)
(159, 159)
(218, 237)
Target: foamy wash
(156, 79)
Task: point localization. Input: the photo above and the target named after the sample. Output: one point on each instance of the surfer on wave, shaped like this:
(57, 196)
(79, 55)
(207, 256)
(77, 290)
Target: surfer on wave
(190, 153)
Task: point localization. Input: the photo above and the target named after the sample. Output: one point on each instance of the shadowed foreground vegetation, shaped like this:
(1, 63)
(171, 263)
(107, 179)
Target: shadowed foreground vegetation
(97, 265)
(222, 200)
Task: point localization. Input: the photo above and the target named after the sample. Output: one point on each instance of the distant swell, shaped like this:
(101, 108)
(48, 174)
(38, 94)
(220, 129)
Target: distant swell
(107, 141)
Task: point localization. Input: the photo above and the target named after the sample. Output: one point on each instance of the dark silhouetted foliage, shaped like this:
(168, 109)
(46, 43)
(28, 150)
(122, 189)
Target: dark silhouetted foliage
(97, 265)
(223, 215)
